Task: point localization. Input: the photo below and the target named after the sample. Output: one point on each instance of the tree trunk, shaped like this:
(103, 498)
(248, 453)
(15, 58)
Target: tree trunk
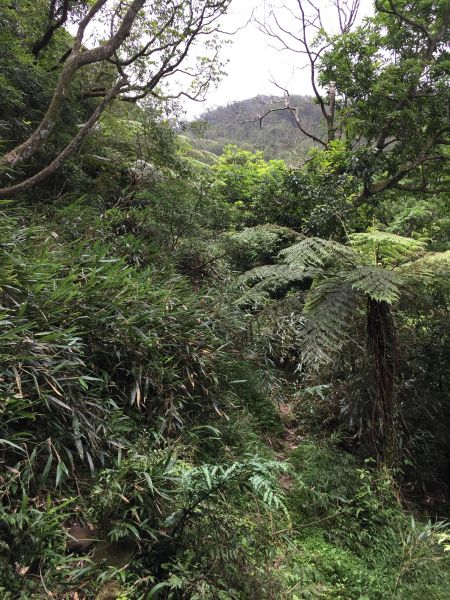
(383, 349)
(45, 127)
(331, 130)
(78, 58)
(68, 150)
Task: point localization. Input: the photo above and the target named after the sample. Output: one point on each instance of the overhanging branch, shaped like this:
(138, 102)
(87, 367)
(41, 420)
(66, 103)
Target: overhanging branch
(68, 150)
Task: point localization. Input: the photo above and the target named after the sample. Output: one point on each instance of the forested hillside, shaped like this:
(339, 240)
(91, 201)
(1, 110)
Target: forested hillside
(223, 370)
(277, 135)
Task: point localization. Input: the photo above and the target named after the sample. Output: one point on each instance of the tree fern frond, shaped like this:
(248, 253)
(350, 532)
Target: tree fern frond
(317, 253)
(376, 282)
(268, 280)
(283, 273)
(255, 299)
(330, 311)
(385, 244)
(431, 266)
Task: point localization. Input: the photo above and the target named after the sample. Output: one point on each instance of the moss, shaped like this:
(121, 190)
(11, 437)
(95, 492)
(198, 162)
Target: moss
(110, 591)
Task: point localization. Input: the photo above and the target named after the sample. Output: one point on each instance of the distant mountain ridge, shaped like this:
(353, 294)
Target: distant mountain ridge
(277, 136)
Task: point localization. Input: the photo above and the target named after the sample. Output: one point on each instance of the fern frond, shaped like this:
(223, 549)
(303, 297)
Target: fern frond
(431, 266)
(330, 311)
(282, 273)
(376, 282)
(317, 253)
(268, 280)
(254, 299)
(385, 244)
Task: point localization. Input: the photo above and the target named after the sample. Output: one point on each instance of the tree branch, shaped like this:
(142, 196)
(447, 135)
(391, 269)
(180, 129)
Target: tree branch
(54, 25)
(167, 47)
(294, 111)
(421, 190)
(68, 150)
(403, 170)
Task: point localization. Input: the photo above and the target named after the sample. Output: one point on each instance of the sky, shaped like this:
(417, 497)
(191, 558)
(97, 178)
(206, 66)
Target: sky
(253, 61)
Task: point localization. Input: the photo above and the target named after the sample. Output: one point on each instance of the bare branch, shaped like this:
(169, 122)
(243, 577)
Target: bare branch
(294, 111)
(303, 39)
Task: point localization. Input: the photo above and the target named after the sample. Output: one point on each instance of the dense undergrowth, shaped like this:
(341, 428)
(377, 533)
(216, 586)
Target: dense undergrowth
(228, 374)
(136, 400)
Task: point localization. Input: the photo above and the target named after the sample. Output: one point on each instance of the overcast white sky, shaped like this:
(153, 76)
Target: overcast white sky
(253, 62)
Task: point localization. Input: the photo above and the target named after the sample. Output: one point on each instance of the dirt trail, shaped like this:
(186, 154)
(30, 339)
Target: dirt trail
(290, 440)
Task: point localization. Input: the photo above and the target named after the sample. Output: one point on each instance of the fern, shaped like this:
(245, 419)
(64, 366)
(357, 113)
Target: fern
(268, 280)
(273, 277)
(430, 266)
(342, 277)
(275, 272)
(376, 282)
(386, 245)
(329, 316)
(211, 482)
(317, 253)
(254, 299)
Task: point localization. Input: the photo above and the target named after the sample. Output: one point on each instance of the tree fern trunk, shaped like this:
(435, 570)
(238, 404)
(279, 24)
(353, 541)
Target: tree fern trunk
(383, 349)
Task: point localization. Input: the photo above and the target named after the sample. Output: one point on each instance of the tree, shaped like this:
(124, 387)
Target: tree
(310, 39)
(387, 87)
(149, 41)
(56, 17)
(254, 187)
(369, 274)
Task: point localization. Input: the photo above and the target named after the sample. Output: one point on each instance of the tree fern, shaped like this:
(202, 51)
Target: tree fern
(342, 278)
(430, 266)
(385, 245)
(275, 272)
(317, 253)
(263, 282)
(382, 285)
(329, 316)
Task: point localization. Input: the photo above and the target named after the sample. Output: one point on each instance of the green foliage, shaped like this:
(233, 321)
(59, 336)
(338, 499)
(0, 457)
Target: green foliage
(257, 392)
(379, 284)
(32, 541)
(255, 246)
(386, 246)
(354, 539)
(413, 216)
(322, 194)
(343, 276)
(91, 336)
(251, 185)
(164, 504)
(346, 493)
(316, 253)
(172, 345)
(389, 73)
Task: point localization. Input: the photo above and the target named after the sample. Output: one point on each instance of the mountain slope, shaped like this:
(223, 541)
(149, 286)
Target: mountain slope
(277, 136)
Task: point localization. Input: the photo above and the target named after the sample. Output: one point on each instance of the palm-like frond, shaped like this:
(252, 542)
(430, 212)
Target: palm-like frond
(376, 282)
(430, 266)
(385, 244)
(330, 311)
(272, 271)
(342, 277)
(276, 275)
(317, 253)
(268, 280)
